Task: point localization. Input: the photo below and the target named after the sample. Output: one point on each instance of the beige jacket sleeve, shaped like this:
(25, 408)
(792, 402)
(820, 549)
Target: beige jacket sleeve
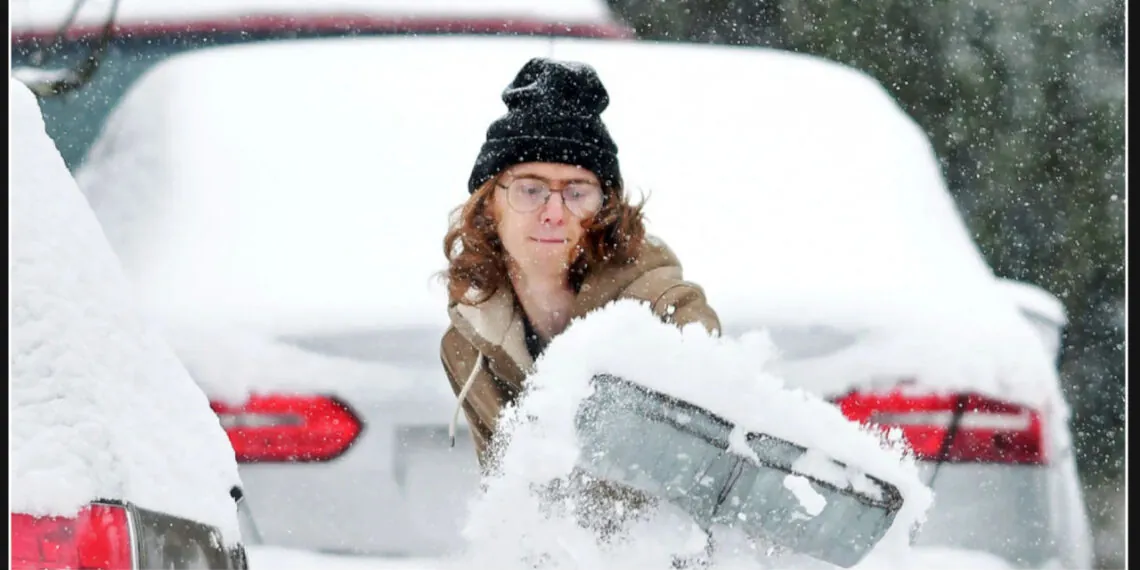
(684, 303)
(673, 299)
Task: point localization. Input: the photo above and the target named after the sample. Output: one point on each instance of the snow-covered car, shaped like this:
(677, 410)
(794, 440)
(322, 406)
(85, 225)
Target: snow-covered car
(148, 31)
(287, 229)
(115, 458)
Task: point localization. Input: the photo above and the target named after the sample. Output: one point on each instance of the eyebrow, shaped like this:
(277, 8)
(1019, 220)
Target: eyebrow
(528, 175)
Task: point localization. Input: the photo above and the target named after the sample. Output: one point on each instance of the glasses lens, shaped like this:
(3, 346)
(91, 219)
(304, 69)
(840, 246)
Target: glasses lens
(527, 195)
(584, 200)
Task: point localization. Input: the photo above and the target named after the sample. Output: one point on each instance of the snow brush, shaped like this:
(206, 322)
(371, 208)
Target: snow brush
(679, 452)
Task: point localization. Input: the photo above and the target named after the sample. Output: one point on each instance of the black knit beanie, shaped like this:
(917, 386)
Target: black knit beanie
(553, 110)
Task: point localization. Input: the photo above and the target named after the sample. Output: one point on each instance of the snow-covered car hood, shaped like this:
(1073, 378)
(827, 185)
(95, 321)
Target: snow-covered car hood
(100, 406)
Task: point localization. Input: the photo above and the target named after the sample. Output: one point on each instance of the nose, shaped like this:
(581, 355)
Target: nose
(553, 213)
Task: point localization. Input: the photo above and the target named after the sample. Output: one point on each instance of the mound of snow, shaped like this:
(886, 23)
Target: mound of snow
(726, 376)
(100, 405)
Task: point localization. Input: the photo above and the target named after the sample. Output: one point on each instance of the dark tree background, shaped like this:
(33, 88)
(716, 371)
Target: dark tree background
(1024, 103)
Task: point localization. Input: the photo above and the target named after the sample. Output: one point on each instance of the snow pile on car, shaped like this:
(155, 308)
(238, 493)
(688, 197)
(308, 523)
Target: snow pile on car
(101, 408)
(726, 376)
(842, 212)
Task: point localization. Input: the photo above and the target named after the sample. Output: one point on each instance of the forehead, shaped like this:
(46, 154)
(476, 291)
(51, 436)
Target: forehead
(552, 171)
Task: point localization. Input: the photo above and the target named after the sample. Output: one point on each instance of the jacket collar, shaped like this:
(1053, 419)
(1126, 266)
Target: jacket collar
(495, 326)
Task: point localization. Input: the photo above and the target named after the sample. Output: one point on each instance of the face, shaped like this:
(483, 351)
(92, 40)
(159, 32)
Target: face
(540, 208)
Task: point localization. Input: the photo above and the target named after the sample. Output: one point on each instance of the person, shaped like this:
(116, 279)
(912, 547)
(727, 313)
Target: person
(546, 236)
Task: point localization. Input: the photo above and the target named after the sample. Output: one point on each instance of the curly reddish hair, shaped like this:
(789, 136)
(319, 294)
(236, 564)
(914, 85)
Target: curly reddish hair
(477, 261)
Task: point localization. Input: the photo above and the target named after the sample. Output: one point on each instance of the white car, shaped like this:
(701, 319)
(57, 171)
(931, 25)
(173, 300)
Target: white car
(114, 456)
(282, 209)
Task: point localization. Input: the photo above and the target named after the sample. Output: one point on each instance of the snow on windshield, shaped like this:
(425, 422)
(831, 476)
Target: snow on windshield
(100, 405)
(48, 14)
(725, 376)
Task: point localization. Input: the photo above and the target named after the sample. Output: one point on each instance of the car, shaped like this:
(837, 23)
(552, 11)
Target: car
(145, 32)
(289, 234)
(115, 458)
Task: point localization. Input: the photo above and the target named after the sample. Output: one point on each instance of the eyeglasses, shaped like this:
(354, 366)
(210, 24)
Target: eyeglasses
(526, 195)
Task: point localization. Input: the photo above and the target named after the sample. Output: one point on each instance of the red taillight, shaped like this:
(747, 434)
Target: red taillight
(989, 431)
(288, 428)
(98, 538)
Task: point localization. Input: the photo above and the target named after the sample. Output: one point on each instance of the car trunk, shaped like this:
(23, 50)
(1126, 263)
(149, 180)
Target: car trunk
(356, 469)
(395, 488)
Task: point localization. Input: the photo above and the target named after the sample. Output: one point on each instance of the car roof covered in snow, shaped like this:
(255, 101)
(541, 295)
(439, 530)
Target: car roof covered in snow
(308, 185)
(49, 14)
(100, 406)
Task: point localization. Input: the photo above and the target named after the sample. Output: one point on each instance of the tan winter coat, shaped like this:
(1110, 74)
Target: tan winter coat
(485, 345)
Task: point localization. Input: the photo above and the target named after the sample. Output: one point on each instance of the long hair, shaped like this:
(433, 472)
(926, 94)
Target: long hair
(476, 260)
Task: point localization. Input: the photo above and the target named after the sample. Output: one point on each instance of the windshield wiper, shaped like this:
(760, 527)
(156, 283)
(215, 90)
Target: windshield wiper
(55, 82)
